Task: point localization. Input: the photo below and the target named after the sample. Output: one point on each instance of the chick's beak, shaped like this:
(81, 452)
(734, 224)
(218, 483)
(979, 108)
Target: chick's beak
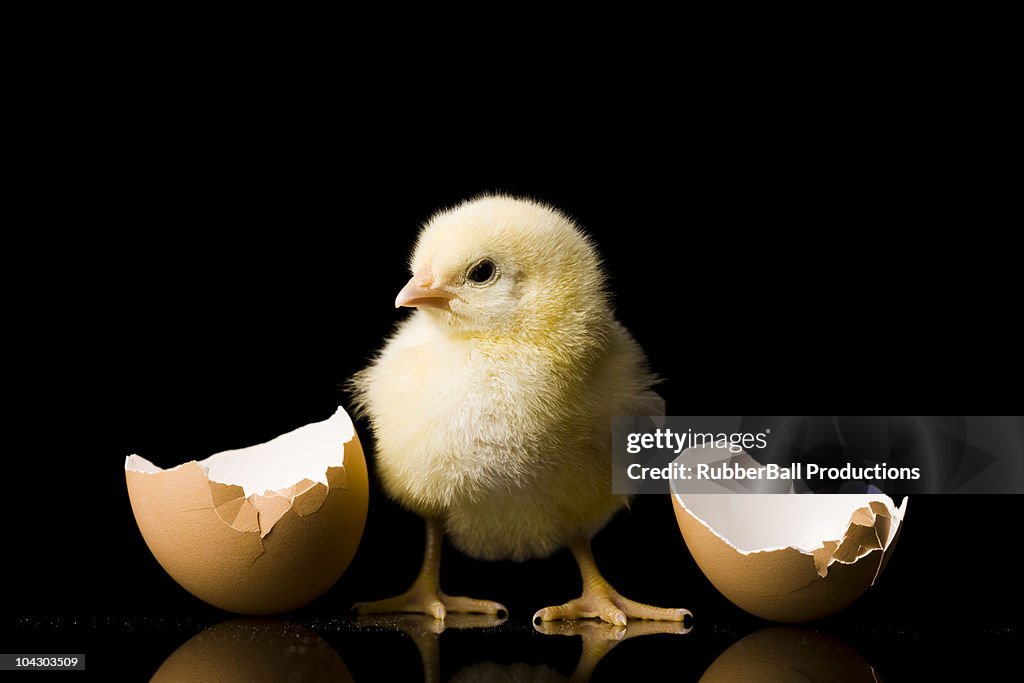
(420, 291)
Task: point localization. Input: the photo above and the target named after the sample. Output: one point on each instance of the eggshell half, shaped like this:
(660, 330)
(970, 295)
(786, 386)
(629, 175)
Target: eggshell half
(258, 530)
(790, 558)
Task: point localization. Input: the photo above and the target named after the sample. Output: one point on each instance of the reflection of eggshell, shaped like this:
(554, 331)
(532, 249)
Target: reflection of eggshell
(253, 650)
(489, 672)
(789, 655)
(262, 529)
(790, 557)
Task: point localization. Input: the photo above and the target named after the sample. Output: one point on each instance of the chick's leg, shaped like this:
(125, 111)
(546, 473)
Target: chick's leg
(600, 600)
(425, 596)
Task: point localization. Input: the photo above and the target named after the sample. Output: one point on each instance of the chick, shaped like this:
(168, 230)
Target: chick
(491, 404)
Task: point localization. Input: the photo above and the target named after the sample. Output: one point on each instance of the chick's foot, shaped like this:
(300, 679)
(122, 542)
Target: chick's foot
(609, 606)
(425, 596)
(602, 601)
(432, 602)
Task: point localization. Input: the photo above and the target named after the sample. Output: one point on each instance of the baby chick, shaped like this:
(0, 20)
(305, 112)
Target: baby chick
(491, 404)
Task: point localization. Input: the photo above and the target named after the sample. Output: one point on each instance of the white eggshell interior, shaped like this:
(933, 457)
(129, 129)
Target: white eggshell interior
(304, 453)
(753, 523)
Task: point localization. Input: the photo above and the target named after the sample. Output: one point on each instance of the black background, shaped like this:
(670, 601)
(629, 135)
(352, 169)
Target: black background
(207, 268)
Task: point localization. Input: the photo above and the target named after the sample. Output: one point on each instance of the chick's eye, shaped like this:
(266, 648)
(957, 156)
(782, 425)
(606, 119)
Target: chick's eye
(481, 272)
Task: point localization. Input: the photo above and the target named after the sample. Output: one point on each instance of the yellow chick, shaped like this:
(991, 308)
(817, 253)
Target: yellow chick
(491, 404)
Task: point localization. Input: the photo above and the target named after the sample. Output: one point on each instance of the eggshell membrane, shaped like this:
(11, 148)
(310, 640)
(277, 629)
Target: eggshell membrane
(243, 650)
(793, 583)
(257, 553)
(789, 655)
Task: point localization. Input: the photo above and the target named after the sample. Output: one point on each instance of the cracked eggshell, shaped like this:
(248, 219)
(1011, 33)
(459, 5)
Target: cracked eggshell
(786, 557)
(258, 530)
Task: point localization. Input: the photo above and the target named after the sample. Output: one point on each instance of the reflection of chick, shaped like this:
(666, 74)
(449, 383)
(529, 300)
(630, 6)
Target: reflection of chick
(492, 403)
(598, 640)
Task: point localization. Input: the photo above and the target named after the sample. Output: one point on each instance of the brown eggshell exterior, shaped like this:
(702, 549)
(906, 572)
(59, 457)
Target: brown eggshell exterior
(243, 650)
(780, 585)
(302, 556)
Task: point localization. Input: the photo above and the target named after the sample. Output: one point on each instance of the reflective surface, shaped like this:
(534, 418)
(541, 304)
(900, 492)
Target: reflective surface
(481, 648)
(253, 649)
(789, 655)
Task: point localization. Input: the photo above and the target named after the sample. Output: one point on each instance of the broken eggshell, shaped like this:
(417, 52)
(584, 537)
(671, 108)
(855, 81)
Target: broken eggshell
(257, 530)
(789, 557)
